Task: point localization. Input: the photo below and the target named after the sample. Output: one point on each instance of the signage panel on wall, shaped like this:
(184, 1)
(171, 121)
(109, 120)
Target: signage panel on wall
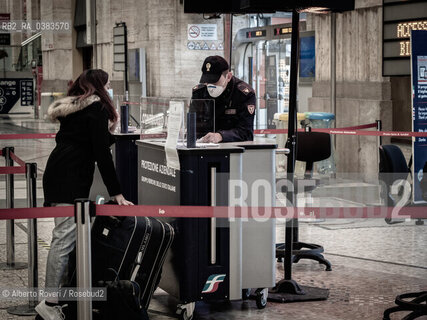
(419, 118)
(205, 32)
(400, 17)
(13, 89)
(307, 68)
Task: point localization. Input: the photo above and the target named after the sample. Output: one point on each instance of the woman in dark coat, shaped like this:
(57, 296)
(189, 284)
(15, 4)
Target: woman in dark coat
(87, 118)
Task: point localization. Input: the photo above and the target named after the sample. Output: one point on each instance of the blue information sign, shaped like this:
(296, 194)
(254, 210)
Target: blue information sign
(419, 112)
(13, 89)
(307, 58)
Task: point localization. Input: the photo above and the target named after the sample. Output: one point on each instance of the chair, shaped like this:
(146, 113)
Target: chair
(417, 306)
(393, 161)
(393, 167)
(311, 147)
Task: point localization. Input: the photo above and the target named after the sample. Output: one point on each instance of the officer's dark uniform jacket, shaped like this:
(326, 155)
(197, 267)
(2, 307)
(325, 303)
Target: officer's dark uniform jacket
(234, 110)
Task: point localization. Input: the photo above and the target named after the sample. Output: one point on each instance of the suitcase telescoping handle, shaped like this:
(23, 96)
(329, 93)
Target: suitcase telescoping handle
(213, 220)
(138, 262)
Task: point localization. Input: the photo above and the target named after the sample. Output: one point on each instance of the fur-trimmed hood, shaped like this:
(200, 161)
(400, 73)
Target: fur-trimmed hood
(68, 105)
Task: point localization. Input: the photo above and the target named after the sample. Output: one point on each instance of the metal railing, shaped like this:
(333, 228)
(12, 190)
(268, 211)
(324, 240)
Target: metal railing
(11, 264)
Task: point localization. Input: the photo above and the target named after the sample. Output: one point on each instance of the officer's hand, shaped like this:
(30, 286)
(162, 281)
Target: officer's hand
(212, 137)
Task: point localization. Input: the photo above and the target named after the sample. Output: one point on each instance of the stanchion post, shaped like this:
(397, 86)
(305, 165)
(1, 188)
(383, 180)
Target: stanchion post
(82, 212)
(380, 139)
(379, 128)
(10, 197)
(33, 277)
(10, 263)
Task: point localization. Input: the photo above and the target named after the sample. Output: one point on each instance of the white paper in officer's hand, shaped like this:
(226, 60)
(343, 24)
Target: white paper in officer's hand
(207, 145)
(176, 110)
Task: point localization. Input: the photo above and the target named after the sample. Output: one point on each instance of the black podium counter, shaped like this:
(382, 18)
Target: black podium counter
(208, 257)
(202, 246)
(125, 157)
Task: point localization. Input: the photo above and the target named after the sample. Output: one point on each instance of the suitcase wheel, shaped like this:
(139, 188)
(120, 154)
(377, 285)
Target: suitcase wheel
(246, 294)
(185, 311)
(182, 314)
(261, 298)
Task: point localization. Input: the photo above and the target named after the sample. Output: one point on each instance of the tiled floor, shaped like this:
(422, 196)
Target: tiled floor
(372, 261)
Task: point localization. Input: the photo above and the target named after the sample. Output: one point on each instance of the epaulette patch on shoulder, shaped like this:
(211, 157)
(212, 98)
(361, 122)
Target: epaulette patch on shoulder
(199, 86)
(243, 87)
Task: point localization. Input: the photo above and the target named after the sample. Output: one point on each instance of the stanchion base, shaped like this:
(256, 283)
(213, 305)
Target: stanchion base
(302, 250)
(15, 266)
(289, 291)
(22, 310)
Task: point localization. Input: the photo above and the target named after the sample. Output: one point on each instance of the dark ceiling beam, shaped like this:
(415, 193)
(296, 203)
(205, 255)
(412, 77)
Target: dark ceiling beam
(267, 6)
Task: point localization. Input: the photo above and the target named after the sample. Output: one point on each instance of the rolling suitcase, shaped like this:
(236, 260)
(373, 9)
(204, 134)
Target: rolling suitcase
(130, 248)
(126, 248)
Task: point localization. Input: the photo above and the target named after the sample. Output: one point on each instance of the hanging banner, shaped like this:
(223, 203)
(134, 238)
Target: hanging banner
(419, 113)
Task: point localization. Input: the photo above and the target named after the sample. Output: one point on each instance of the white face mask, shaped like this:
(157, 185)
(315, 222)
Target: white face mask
(110, 93)
(215, 91)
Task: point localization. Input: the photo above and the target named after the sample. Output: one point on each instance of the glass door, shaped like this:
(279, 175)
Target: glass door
(265, 66)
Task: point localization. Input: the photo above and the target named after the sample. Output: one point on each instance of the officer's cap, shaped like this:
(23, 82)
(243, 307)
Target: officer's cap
(212, 69)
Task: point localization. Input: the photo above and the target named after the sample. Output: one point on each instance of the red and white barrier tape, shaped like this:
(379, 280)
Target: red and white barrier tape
(374, 133)
(155, 103)
(349, 132)
(380, 133)
(53, 135)
(33, 213)
(17, 160)
(327, 130)
(258, 213)
(131, 103)
(363, 126)
(12, 170)
(145, 136)
(146, 102)
(27, 136)
(262, 212)
(356, 130)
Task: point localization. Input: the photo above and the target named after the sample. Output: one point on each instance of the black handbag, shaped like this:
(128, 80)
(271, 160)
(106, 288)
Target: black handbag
(123, 301)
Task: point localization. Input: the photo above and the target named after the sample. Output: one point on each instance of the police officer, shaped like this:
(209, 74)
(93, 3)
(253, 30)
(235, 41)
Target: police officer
(234, 102)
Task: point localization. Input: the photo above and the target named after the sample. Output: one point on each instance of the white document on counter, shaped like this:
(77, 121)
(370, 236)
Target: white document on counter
(176, 112)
